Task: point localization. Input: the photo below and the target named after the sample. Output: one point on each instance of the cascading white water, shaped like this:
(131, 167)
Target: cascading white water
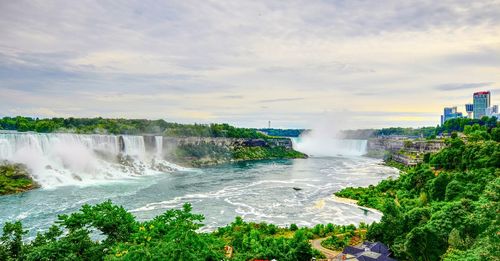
(159, 146)
(330, 146)
(352, 147)
(75, 159)
(134, 146)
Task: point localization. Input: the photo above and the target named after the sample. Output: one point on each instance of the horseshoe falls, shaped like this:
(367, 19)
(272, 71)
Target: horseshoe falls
(325, 147)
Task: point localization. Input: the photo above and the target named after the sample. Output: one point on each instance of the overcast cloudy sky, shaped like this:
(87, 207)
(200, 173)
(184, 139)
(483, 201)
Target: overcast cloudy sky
(384, 63)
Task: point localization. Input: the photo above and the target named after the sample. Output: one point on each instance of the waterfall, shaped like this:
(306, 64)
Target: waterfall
(72, 159)
(134, 146)
(330, 146)
(159, 146)
(352, 147)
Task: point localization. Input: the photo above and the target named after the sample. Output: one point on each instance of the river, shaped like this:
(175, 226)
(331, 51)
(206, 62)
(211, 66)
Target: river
(260, 191)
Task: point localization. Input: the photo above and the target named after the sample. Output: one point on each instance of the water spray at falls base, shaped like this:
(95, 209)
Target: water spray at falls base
(325, 139)
(75, 159)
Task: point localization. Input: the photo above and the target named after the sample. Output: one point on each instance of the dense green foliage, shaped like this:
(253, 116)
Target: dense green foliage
(446, 208)
(265, 242)
(171, 236)
(343, 236)
(14, 178)
(208, 153)
(84, 125)
(336, 242)
(450, 126)
(108, 232)
(459, 124)
(212, 130)
(464, 156)
(126, 126)
(256, 153)
(411, 132)
(283, 132)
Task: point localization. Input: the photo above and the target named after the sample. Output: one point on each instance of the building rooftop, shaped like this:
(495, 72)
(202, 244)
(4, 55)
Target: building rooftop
(367, 251)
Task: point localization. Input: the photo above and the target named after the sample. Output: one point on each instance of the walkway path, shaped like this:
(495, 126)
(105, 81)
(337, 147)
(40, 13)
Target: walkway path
(330, 254)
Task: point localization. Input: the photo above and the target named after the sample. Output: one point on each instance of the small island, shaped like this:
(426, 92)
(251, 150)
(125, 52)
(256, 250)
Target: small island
(15, 178)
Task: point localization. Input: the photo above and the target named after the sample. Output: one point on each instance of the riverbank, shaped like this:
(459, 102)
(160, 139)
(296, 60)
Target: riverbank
(353, 202)
(450, 201)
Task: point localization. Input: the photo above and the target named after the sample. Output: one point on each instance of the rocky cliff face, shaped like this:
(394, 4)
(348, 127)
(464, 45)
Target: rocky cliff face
(384, 144)
(406, 151)
(227, 142)
(396, 144)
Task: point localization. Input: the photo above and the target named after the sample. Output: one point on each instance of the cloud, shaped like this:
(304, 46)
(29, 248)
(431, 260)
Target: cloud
(226, 59)
(281, 100)
(488, 56)
(237, 97)
(462, 86)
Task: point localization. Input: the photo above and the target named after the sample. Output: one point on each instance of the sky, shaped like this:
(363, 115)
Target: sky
(294, 63)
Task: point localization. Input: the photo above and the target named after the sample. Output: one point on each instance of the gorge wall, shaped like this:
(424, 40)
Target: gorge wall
(403, 150)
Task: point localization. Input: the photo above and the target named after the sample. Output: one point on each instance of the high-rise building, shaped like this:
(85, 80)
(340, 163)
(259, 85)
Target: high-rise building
(450, 113)
(469, 108)
(490, 111)
(481, 103)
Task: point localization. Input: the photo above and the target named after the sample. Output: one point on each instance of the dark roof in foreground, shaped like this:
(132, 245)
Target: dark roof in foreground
(367, 251)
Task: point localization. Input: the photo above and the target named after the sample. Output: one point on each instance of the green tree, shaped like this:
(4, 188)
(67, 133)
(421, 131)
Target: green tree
(437, 186)
(495, 134)
(423, 244)
(301, 247)
(11, 244)
(45, 126)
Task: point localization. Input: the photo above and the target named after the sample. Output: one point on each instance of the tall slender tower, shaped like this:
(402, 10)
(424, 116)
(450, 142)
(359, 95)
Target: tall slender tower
(469, 108)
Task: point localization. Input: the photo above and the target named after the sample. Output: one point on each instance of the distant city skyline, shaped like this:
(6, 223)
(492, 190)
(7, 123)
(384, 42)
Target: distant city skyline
(293, 63)
(481, 106)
